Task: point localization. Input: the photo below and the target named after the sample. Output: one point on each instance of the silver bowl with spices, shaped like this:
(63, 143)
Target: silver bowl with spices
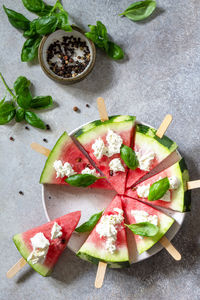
(67, 57)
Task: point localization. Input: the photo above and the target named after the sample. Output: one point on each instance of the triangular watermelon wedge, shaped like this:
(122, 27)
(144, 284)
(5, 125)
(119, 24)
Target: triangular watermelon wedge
(150, 147)
(136, 211)
(23, 243)
(89, 134)
(66, 151)
(178, 199)
(95, 247)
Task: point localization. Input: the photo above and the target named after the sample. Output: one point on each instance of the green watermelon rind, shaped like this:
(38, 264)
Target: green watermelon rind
(24, 251)
(165, 222)
(87, 253)
(185, 179)
(151, 133)
(97, 127)
(54, 154)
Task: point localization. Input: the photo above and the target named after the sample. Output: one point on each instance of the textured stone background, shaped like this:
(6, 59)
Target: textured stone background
(159, 75)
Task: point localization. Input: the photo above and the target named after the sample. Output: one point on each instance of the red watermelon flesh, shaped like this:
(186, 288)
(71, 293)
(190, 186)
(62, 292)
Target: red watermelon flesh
(164, 222)
(94, 248)
(66, 151)
(23, 241)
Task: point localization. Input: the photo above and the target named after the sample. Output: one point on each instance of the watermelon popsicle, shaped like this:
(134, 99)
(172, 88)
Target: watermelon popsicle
(42, 246)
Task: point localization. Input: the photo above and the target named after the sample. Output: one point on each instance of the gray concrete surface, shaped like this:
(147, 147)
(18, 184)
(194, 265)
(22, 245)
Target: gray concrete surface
(160, 74)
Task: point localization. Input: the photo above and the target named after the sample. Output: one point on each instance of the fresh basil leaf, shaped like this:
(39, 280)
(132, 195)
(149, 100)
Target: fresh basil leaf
(34, 6)
(158, 189)
(143, 229)
(31, 32)
(20, 84)
(129, 157)
(24, 99)
(81, 180)
(46, 11)
(140, 10)
(16, 19)
(20, 113)
(7, 112)
(46, 24)
(30, 48)
(98, 35)
(41, 102)
(34, 120)
(62, 18)
(90, 224)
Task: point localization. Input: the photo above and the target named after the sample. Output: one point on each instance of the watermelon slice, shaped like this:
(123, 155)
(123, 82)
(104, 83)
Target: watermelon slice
(66, 151)
(146, 142)
(88, 135)
(179, 199)
(23, 243)
(94, 248)
(134, 209)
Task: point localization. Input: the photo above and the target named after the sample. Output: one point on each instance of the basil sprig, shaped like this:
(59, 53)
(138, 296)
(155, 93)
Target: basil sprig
(140, 10)
(158, 189)
(50, 19)
(82, 180)
(129, 157)
(143, 229)
(21, 104)
(90, 224)
(98, 34)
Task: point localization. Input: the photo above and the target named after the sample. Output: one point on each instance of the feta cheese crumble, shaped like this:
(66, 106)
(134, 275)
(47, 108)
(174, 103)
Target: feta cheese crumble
(108, 228)
(116, 165)
(99, 148)
(145, 159)
(56, 231)
(143, 216)
(40, 246)
(114, 141)
(174, 183)
(89, 171)
(63, 170)
(143, 191)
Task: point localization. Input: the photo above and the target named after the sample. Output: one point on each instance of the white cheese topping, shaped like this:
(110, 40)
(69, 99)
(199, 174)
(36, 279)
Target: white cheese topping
(173, 182)
(143, 191)
(89, 171)
(63, 170)
(116, 165)
(108, 228)
(99, 148)
(56, 231)
(114, 141)
(145, 159)
(143, 216)
(40, 248)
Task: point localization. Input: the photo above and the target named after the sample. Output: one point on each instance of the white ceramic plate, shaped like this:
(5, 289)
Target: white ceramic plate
(59, 200)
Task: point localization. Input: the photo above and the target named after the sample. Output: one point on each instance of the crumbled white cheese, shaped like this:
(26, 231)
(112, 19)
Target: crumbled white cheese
(143, 190)
(116, 165)
(99, 148)
(56, 231)
(145, 159)
(114, 141)
(108, 228)
(174, 183)
(90, 172)
(166, 197)
(143, 216)
(40, 246)
(63, 170)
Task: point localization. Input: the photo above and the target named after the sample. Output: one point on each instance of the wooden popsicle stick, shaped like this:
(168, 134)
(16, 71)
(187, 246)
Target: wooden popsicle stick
(170, 248)
(195, 184)
(40, 149)
(164, 125)
(102, 109)
(16, 268)
(100, 275)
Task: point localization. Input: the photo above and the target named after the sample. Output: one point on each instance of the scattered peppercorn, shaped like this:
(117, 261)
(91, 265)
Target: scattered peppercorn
(63, 241)
(75, 108)
(87, 105)
(48, 127)
(45, 140)
(88, 165)
(49, 197)
(21, 193)
(111, 173)
(79, 159)
(26, 127)
(12, 139)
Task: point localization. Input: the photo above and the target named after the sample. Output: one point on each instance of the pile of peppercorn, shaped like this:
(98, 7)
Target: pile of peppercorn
(63, 59)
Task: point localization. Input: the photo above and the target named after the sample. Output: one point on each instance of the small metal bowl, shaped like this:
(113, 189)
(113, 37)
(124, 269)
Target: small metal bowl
(57, 35)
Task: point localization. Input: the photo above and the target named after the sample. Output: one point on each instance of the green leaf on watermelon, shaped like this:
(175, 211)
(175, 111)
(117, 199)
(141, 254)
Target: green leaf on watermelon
(129, 157)
(90, 224)
(158, 189)
(81, 180)
(143, 229)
